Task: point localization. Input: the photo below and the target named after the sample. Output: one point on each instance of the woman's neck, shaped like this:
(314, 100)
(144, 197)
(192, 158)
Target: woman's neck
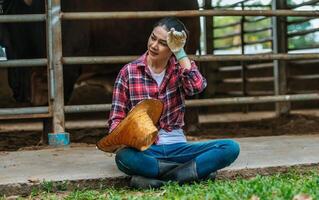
(157, 67)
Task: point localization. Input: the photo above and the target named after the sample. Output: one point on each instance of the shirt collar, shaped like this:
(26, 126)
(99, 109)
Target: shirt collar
(141, 61)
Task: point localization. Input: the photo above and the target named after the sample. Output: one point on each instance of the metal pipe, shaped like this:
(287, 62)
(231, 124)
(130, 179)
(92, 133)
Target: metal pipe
(87, 108)
(227, 47)
(251, 100)
(226, 25)
(25, 116)
(97, 60)
(249, 80)
(22, 18)
(125, 59)
(199, 58)
(24, 63)
(209, 58)
(227, 36)
(304, 77)
(249, 93)
(253, 66)
(303, 4)
(299, 21)
(24, 111)
(303, 32)
(258, 30)
(246, 6)
(259, 41)
(255, 20)
(189, 103)
(183, 13)
(50, 70)
(313, 46)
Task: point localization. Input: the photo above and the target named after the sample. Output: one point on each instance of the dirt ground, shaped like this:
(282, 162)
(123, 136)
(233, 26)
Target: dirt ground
(295, 124)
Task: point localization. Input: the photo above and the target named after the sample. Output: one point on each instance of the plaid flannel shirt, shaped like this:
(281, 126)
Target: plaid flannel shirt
(134, 83)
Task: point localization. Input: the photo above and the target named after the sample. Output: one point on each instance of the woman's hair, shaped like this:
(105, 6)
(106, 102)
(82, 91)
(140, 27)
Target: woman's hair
(171, 22)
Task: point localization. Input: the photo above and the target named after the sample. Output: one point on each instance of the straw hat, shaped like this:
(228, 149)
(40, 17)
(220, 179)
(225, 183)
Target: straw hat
(137, 130)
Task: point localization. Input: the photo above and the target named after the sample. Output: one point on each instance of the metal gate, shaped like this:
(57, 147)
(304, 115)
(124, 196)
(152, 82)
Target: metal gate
(55, 60)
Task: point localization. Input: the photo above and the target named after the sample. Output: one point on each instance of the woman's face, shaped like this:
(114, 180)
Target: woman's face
(157, 45)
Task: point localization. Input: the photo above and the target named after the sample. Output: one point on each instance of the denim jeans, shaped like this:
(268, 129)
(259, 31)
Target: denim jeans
(209, 156)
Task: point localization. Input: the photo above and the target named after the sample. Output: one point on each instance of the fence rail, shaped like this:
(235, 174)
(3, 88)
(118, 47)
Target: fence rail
(56, 110)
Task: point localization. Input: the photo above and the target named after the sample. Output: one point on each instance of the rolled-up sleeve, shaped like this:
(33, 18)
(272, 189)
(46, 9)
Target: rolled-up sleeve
(119, 100)
(192, 80)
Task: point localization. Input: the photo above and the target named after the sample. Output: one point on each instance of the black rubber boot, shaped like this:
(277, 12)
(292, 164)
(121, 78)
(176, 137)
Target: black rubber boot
(211, 176)
(166, 166)
(141, 182)
(184, 173)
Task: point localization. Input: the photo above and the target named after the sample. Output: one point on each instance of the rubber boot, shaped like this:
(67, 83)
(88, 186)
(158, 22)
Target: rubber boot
(211, 176)
(141, 182)
(184, 173)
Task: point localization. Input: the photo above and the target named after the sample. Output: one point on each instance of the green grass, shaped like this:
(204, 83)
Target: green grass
(275, 187)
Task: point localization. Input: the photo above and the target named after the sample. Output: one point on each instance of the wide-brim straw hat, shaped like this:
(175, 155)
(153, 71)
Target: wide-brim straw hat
(137, 130)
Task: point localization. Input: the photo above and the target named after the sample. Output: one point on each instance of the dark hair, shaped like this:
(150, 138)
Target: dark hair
(171, 22)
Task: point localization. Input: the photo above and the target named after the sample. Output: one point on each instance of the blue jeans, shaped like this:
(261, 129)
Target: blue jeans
(209, 156)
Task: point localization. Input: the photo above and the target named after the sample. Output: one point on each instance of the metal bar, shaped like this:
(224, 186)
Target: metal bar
(304, 77)
(303, 4)
(26, 116)
(54, 7)
(253, 66)
(303, 91)
(247, 6)
(260, 79)
(249, 93)
(251, 100)
(248, 80)
(232, 80)
(183, 13)
(255, 20)
(239, 2)
(259, 41)
(38, 126)
(50, 70)
(24, 111)
(226, 25)
(305, 63)
(190, 103)
(87, 108)
(24, 63)
(97, 60)
(260, 66)
(313, 46)
(22, 18)
(299, 21)
(227, 47)
(303, 32)
(227, 36)
(229, 68)
(258, 30)
(199, 58)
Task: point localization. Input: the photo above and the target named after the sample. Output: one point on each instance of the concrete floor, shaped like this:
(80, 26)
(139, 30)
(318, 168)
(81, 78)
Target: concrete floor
(26, 168)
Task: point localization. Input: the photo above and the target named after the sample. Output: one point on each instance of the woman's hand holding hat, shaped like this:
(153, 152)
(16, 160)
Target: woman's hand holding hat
(176, 41)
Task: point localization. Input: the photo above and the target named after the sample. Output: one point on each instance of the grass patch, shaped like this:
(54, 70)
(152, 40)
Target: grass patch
(275, 187)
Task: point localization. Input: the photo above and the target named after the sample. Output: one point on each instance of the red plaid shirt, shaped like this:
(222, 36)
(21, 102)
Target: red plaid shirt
(135, 83)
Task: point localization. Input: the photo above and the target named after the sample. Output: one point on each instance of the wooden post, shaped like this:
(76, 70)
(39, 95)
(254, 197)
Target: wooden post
(55, 70)
(280, 46)
(243, 63)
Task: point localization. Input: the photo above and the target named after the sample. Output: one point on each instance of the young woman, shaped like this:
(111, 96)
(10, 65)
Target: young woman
(166, 73)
